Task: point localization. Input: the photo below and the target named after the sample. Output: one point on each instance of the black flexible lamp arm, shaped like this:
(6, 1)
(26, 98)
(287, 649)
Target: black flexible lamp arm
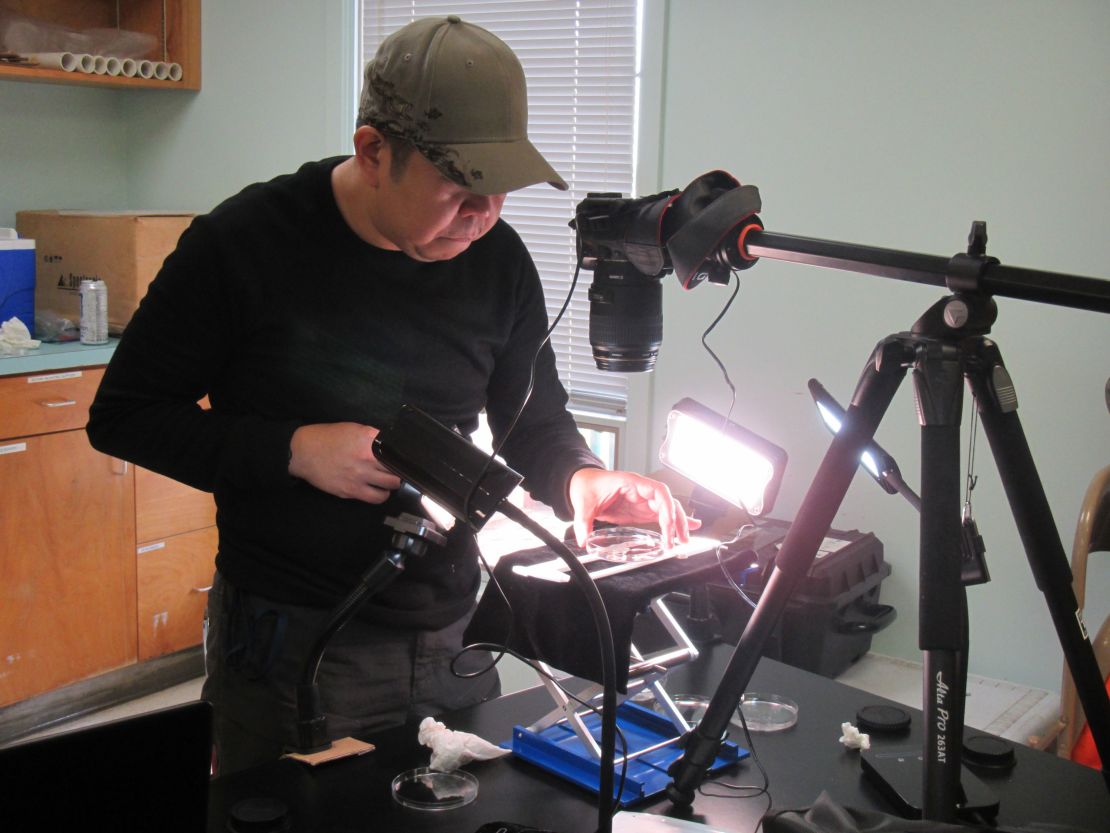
(472, 486)
(411, 536)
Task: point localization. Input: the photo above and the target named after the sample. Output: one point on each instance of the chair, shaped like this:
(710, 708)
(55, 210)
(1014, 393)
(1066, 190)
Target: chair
(1092, 534)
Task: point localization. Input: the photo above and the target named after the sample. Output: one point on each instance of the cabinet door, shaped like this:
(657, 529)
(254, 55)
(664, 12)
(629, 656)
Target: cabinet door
(174, 576)
(164, 507)
(67, 563)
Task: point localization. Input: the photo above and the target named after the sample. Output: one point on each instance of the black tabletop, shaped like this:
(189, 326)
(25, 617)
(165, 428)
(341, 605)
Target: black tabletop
(800, 762)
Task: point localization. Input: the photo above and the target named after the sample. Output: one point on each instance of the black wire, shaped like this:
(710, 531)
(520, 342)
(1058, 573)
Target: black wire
(608, 657)
(758, 790)
(713, 355)
(527, 391)
(724, 570)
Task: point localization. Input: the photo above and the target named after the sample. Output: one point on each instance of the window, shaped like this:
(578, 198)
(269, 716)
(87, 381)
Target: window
(580, 58)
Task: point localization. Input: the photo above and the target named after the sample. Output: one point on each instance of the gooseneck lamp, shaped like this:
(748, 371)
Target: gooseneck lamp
(471, 485)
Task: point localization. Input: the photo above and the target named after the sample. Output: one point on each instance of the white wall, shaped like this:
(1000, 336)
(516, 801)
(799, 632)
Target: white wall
(896, 124)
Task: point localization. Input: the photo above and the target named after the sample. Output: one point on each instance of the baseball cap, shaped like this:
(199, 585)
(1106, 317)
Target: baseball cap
(457, 93)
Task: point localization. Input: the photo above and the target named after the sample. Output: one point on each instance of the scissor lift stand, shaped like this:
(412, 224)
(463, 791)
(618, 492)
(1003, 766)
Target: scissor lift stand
(565, 740)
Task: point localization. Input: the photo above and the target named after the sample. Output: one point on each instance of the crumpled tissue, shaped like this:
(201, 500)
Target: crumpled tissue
(853, 738)
(15, 337)
(451, 749)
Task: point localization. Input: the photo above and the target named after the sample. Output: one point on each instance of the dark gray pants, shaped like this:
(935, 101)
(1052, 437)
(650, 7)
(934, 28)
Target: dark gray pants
(371, 676)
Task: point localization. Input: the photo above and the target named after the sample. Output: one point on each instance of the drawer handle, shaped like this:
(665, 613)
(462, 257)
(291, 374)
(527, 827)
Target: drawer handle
(202, 589)
(58, 403)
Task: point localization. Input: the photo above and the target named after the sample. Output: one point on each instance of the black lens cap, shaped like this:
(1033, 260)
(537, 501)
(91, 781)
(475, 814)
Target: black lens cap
(882, 719)
(259, 815)
(989, 752)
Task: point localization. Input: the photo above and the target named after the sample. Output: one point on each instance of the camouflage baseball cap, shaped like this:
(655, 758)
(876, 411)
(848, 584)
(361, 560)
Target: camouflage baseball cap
(457, 93)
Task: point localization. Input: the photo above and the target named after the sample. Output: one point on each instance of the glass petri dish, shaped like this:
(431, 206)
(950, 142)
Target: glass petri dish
(622, 544)
(425, 788)
(690, 706)
(768, 712)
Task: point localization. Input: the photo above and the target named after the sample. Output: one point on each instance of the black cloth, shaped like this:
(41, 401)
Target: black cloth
(551, 621)
(826, 816)
(273, 308)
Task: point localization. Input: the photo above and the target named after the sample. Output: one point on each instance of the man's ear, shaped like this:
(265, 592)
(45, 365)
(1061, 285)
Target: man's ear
(369, 144)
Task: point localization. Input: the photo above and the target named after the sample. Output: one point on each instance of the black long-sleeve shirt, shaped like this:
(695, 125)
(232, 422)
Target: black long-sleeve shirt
(273, 308)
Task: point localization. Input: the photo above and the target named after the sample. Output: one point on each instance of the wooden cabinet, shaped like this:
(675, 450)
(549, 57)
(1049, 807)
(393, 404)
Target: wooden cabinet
(175, 527)
(175, 24)
(102, 564)
(67, 539)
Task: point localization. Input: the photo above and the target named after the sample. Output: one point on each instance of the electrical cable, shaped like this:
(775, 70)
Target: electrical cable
(758, 790)
(713, 355)
(528, 389)
(724, 570)
(608, 659)
(589, 588)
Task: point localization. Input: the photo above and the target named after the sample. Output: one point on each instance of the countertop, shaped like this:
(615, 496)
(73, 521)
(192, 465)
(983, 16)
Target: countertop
(59, 356)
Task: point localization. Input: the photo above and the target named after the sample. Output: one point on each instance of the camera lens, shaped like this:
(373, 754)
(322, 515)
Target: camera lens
(626, 323)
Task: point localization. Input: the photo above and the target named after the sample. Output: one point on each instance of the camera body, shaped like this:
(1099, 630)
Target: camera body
(630, 244)
(619, 240)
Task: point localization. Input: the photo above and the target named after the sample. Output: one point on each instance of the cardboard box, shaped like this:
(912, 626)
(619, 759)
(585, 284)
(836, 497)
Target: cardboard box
(125, 249)
(17, 279)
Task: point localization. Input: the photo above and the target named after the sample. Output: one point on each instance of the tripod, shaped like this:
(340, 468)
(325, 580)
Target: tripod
(945, 346)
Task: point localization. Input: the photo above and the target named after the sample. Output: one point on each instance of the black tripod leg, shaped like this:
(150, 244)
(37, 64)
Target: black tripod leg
(874, 392)
(938, 385)
(998, 410)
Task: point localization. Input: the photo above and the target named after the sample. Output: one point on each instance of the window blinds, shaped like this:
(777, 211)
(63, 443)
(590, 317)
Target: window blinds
(580, 60)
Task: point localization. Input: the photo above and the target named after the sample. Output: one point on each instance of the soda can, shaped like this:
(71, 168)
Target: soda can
(94, 311)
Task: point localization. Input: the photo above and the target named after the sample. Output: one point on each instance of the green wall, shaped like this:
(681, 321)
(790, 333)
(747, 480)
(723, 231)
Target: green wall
(278, 79)
(896, 124)
(892, 124)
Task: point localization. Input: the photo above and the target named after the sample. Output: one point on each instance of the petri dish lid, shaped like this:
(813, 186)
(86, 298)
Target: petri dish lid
(768, 712)
(691, 706)
(425, 788)
(622, 544)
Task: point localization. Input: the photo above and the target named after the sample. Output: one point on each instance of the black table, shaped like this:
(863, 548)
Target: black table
(800, 762)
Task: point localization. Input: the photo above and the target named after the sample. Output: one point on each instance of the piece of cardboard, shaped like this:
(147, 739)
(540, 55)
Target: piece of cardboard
(125, 249)
(342, 748)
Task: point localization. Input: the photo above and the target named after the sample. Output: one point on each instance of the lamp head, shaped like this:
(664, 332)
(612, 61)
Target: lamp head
(445, 466)
(727, 459)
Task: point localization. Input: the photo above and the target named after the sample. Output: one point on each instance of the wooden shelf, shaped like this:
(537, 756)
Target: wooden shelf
(175, 23)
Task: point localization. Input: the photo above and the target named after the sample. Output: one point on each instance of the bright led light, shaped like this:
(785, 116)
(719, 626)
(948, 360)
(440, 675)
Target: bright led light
(868, 460)
(721, 457)
(833, 421)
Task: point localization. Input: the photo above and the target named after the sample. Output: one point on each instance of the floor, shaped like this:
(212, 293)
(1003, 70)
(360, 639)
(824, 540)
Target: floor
(1000, 708)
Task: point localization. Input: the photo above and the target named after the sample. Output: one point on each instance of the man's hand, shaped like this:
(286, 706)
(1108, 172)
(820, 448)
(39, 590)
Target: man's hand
(621, 497)
(338, 458)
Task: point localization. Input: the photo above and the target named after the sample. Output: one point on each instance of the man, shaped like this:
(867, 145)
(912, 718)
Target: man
(309, 309)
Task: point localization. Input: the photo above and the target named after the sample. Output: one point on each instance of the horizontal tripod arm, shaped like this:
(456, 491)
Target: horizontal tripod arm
(1073, 291)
